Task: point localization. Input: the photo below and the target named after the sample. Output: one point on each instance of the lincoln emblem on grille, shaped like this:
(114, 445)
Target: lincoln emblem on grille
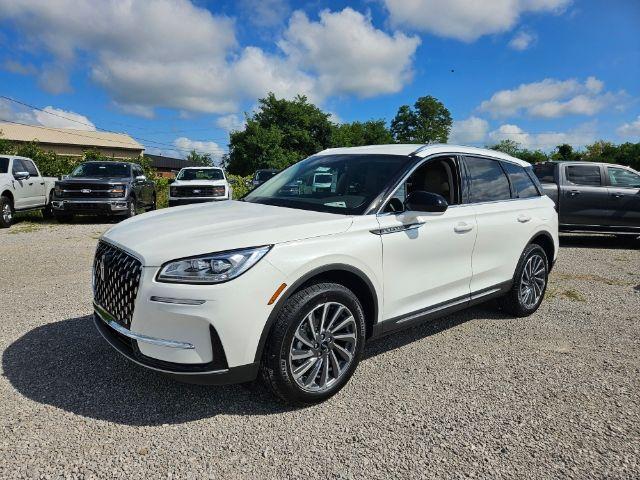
(86, 190)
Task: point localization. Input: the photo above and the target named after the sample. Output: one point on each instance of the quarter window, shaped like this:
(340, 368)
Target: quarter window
(523, 186)
(588, 175)
(620, 177)
(545, 172)
(487, 180)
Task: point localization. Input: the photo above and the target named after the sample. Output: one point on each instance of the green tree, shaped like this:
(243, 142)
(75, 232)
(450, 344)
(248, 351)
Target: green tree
(511, 147)
(428, 121)
(279, 134)
(371, 132)
(565, 153)
(200, 159)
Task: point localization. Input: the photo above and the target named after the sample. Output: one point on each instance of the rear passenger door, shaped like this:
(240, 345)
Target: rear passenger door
(624, 196)
(584, 197)
(505, 220)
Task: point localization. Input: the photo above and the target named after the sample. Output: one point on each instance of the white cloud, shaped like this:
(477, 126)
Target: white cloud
(265, 13)
(20, 68)
(231, 122)
(185, 145)
(466, 20)
(577, 137)
(348, 54)
(174, 54)
(631, 130)
(523, 40)
(472, 130)
(552, 98)
(51, 117)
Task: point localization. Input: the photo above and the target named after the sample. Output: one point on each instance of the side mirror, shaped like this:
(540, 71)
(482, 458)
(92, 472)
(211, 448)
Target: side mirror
(21, 175)
(421, 201)
(141, 178)
(232, 181)
(171, 180)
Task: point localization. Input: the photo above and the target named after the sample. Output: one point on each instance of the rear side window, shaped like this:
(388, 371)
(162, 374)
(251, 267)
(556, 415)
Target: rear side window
(521, 183)
(31, 168)
(545, 172)
(588, 175)
(487, 180)
(4, 165)
(620, 177)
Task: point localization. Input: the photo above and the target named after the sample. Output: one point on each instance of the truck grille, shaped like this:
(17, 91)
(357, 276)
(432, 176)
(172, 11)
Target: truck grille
(89, 190)
(116, 277)
(217, 191)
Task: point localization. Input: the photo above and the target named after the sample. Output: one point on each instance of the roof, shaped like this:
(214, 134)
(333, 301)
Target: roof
(200, 167)
(68, 136)
(423, 151)
(159, 161)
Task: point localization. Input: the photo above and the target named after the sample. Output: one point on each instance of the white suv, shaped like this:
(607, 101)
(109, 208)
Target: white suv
(289, 284)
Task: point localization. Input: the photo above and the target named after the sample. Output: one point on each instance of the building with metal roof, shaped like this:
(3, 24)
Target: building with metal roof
(70, 142)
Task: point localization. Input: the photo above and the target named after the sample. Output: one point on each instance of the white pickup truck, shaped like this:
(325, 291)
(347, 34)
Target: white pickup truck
(199, 184)
(22, 188)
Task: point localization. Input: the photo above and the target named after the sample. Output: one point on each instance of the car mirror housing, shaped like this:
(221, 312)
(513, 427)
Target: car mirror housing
(21, 175)
(421, 201)
(141, 178)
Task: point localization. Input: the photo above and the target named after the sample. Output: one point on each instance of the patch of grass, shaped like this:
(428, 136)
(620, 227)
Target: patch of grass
(25, 227)
(572, 294)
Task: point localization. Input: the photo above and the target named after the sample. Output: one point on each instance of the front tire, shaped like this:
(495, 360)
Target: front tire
(529, 283)
(315, 344)
(131, 208)
(47, 212)
(6, 212)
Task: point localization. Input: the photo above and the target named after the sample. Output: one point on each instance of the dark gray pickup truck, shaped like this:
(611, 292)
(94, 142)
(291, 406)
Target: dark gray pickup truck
(593, 197)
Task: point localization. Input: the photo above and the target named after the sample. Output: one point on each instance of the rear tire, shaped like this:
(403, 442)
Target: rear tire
(47, 212)
(529, 283)
(315, 344)
(6, 212)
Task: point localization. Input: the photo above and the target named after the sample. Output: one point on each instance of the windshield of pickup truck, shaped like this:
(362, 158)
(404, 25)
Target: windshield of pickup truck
(4, 165)
(200, 174)
(102, 170)
(345, 184)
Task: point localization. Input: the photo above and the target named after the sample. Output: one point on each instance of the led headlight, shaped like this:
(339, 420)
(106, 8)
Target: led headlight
(117, 191)
(213, 267)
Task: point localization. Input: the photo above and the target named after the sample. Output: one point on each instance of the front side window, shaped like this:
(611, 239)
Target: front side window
(588, 175)
(487, 180)
(200, 174)
(31, 168)
(621, 177)
(523, 186)
(102, 170)
(18, 166)
(264, 175)
(344, 184)
(4, 165)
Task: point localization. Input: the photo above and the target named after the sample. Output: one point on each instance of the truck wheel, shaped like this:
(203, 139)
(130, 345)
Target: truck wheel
(47, 212)
(529, 283)
(131, 210)
(6, 212)
(154, 205)
(315, 344)
(63, 217)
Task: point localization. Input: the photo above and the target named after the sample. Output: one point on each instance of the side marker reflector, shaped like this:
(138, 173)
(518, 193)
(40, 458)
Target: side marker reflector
(276, 294)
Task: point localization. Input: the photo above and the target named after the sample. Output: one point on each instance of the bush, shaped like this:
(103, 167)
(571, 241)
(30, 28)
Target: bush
(241, 186)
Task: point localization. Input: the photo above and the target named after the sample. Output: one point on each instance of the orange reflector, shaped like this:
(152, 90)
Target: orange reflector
(277, 293)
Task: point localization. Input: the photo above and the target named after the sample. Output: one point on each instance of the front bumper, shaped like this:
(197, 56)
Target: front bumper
(174, 202)
(100, 206)
(196, 333)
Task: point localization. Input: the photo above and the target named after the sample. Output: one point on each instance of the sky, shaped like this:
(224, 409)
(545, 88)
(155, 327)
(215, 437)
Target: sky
(179, 75)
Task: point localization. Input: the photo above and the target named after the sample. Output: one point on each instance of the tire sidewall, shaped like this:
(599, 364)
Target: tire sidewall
(531, 250)
(5, 201)
(284, 330)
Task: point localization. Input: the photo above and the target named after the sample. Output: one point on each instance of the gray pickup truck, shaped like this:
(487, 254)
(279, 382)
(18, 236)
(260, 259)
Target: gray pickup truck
(593, 197)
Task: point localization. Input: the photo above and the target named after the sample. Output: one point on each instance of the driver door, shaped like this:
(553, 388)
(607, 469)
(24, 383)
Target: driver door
(427, 256)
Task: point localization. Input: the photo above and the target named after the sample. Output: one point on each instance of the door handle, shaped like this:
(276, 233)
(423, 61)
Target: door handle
(462, 227)
(41, 183)
(617, 195)
(574, 192)
(524, 218)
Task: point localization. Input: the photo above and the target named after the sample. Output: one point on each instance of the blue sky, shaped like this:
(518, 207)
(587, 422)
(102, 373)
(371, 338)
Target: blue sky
(178, 74)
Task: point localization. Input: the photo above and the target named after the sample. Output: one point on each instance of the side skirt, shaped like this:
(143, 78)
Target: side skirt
(439, 310)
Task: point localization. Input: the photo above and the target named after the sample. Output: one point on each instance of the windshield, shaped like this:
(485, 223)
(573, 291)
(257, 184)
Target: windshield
(4, 165)
(102, 170)
(200, 174)
(344, 184)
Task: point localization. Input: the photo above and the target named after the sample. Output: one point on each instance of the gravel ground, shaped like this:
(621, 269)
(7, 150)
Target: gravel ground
(475, 394)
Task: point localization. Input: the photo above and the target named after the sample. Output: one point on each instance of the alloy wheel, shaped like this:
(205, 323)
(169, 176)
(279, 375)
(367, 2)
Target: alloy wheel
(323, 347)
(7, 214)
(532, 281)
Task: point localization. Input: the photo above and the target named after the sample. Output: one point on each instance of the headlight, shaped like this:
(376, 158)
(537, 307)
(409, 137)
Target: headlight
(212, 268)
(117, 191)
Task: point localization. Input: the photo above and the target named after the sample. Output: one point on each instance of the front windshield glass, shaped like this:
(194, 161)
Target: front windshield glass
(102, 170)
(200, 174)
(344, 184)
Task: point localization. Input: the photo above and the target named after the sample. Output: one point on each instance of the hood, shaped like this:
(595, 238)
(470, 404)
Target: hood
(95, 180)
(177, 232)
(194, 183)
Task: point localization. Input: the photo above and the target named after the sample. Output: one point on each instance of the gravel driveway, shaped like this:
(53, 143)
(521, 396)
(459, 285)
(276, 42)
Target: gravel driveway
(475, 394)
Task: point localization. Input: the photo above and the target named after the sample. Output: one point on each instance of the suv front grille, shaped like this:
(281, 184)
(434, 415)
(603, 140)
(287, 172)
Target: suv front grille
(116, 277)
(216, 191)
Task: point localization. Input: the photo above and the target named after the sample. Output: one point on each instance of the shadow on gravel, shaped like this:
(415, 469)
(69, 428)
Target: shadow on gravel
(600, 241)
(67, 364)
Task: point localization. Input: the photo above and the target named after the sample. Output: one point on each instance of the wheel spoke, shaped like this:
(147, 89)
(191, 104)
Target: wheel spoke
(342, 324)
(324, 376)
(314, 373)
(302, 369)
(304, 340)
(345, 336)
(343, 352)
(335, 366)
(301, 354)
(335, 316)
(314, 332)
(325, 310)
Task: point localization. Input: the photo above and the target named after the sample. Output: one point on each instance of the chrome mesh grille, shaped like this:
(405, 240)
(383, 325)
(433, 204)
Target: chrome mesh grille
(116, 277)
